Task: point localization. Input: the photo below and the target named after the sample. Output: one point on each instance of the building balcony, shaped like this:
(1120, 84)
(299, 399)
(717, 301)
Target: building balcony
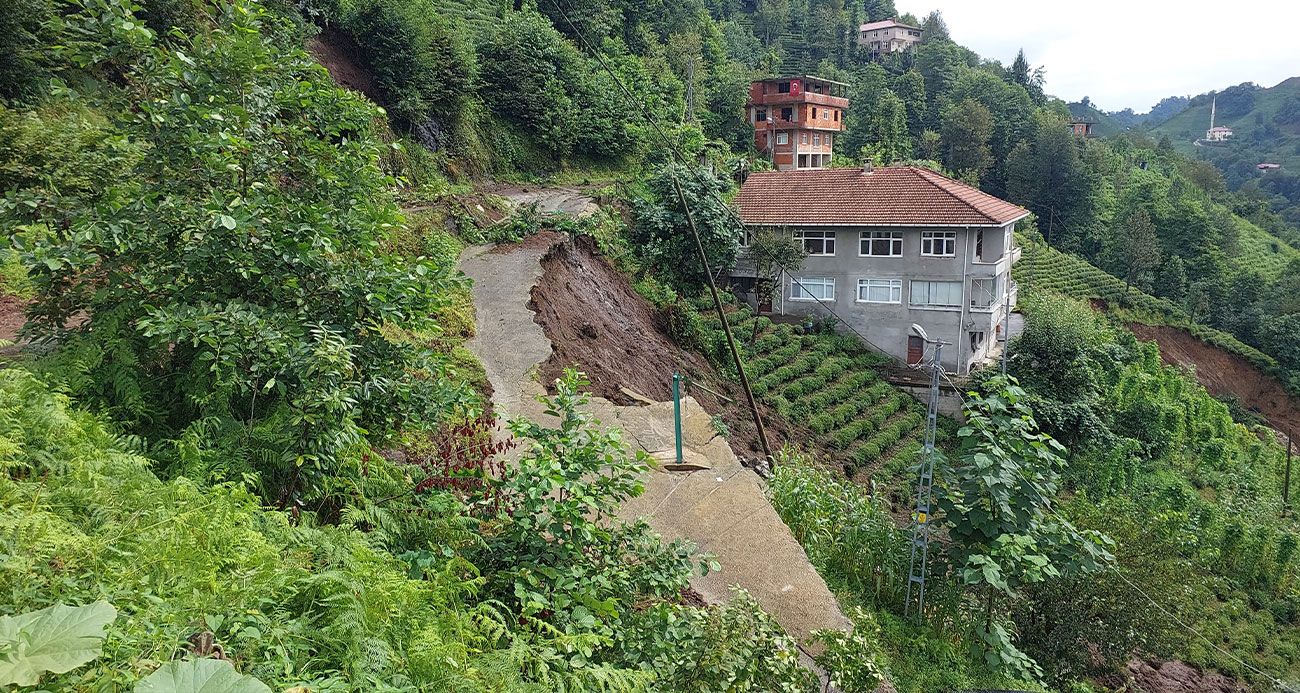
(778, 125)
(801, 97)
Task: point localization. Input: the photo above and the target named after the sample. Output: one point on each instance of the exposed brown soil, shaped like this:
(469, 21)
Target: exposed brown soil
(341, 56)
(12, 317)
(1172, 677)
(595, 319)
(1222, 373)
(544, 239)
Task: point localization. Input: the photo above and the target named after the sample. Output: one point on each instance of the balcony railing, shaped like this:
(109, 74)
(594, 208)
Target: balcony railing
(801, 97)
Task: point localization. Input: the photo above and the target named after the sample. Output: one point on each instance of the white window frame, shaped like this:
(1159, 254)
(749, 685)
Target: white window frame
(926, 288)
(804, 138)
(947, 241)
(782, 138)
(977, 294)
(869, 238)
(894, 288)
(800, 285)
(817, 140)
(827, 238)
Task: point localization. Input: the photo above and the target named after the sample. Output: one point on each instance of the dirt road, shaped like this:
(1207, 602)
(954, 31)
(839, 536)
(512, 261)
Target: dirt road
(721, 507)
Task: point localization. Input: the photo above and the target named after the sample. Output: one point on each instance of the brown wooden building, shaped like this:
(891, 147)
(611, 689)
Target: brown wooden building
(796, 119)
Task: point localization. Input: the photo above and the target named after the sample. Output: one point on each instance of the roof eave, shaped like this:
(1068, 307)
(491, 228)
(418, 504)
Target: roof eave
(903, 225)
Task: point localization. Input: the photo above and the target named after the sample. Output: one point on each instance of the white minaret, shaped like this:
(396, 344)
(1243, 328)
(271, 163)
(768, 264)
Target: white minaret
(1214, 100)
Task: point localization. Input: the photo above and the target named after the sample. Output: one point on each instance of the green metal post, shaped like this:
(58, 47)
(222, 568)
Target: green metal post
(677, 413)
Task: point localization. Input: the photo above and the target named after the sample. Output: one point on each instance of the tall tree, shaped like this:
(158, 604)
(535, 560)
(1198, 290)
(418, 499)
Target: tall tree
(771, 19)
(880, 10)
(934, 29)
(1049, 176)
(910, 88)
(886, 130)
(867, 85)
(967, 128)
(664, 234)
(1137, 247)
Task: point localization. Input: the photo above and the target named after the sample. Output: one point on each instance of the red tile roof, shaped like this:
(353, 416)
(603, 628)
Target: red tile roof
(888, 196)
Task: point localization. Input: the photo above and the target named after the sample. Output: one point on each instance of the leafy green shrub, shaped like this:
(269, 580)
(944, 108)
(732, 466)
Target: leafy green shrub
(53, 640)
(239, 317)
(420, 59)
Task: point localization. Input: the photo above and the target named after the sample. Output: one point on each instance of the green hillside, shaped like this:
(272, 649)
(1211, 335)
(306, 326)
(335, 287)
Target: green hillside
(1265, 125)
(1103, 124)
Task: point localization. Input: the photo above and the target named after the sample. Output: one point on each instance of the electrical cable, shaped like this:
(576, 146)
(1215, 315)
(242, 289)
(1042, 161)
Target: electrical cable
(1276, 681)
(680, 159)
(675, 152)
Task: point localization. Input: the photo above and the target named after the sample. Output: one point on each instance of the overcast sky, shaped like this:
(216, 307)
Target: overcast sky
(1131, 53)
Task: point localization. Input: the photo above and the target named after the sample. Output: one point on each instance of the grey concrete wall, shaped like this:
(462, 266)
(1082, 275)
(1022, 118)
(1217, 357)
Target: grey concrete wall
(887, 325)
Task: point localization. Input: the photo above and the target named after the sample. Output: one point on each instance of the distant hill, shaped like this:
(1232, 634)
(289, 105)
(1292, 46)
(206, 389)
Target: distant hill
(1265, 125)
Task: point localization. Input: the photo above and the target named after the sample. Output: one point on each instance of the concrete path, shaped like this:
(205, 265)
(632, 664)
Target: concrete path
(721, 508)
(552, 200)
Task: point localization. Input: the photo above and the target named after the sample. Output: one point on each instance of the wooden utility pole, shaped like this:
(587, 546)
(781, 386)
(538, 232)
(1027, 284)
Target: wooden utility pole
(726, 327)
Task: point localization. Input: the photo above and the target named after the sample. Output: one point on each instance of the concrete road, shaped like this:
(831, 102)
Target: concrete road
(720, 507)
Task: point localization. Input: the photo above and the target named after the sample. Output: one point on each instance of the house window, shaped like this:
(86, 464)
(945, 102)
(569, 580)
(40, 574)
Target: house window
(760, 115)
(880, 244)
(816, 242)
(787, 114)
(783, 88)
(828, 139)
(880, 290)
(939, 243)
(936, 294)
(837, 116)
(814, 113)
(782, 138)
(976, 341)
(804, 139)
(979, 246)
(812, 289)
(984, 292)
(745, 236)
(817, 140)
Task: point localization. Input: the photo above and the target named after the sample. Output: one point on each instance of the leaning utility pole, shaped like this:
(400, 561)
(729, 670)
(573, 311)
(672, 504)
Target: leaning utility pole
(726, 327)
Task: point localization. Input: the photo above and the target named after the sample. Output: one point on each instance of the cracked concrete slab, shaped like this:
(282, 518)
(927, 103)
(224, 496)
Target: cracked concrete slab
(721, 508)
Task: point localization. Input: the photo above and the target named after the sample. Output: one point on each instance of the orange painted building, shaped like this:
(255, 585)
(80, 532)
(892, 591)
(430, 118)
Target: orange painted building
(796, 119)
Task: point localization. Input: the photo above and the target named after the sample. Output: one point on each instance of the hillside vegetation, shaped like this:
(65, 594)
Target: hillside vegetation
(244, 415)
(1266, 129)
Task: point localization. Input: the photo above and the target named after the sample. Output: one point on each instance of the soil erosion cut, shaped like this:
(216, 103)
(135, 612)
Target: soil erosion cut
(1222, 374)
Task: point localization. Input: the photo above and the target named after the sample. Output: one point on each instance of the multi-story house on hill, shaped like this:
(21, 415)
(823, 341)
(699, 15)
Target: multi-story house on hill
(889, 248)
(880, 39)
(796, 119)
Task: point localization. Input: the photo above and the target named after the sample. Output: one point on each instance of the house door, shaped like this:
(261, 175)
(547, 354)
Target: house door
(915, 350)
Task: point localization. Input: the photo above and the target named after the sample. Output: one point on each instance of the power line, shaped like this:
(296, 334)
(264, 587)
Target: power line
(1276, 681)
(676, 154)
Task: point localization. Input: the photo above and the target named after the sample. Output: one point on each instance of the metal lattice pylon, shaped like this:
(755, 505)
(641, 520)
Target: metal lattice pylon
(921, 522)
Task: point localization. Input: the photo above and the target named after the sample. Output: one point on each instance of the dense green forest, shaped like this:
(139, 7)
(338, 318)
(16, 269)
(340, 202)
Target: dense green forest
(246, 410)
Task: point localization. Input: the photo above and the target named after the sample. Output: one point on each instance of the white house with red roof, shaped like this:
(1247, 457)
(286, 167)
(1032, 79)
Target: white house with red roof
(890, 247)
(880, 39)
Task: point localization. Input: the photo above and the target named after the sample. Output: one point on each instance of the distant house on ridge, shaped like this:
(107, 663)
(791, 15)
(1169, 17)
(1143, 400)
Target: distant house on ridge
(880, 39)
